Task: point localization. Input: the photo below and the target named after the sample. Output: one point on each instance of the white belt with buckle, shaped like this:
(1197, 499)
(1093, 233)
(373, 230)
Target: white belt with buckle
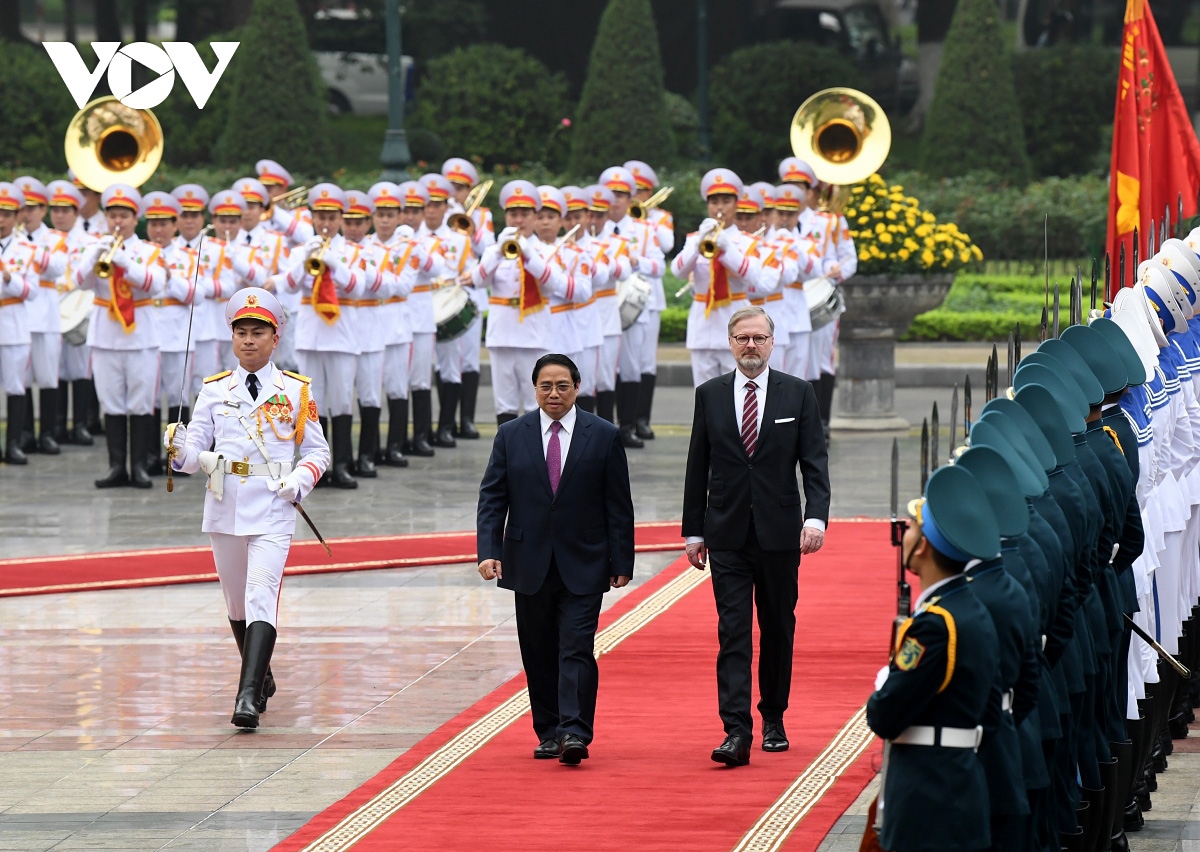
(926, 735)
(218, 467)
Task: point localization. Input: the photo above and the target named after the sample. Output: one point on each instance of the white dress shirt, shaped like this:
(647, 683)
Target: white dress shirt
(564, 435)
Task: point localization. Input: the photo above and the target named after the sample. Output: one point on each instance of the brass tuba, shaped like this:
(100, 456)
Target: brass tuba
(108, 142)
(844, 135)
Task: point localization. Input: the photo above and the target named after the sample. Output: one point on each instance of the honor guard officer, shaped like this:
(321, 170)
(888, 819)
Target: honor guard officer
(664, 232)
(295, 225)
(521, 282)
(45, 328)
(126, 278)
(636, 240)
(326, 272)
(65, 203)
(608, 267)
(405, 258)
(787, 216)
(587, 315)
(719, 281)
(268, 451)
(930, 703)
(458, 258)
(18, 282)
(575, 264)
(764, 292)
(378, 284)
(173, 312)
(422, 319)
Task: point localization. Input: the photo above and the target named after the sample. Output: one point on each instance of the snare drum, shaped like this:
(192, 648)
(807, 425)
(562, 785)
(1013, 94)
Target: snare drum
(74, 312)
(633, 293)
(825, 302)
(454, 311)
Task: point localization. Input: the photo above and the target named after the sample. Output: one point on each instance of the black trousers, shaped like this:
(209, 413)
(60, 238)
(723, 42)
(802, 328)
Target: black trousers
(557, 632)
(742, 580)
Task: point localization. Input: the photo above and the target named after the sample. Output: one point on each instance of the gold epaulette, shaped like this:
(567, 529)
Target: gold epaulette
(218, 376)
(296, 376)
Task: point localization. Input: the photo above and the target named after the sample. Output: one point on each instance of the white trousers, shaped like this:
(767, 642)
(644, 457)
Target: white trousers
(588, 359)
(710, 363)
(126, 380)
(449, 361)
(75, 363)
(631, 360)
(470, 344)
(796, 360)
(14, 363)
(251, 571)
(822, 344)
(512, 378)
(420, 366)
(205, 363)
(650, 342)
(45, 356)
(369, 379)
(606, 363)
(332, 375)
(170, 378)
(395, 370)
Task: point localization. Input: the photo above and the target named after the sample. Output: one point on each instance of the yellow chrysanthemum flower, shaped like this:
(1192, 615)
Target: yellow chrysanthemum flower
(885, 238)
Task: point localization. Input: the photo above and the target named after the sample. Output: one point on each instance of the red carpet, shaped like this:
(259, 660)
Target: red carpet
(167, 566)
(649, 783)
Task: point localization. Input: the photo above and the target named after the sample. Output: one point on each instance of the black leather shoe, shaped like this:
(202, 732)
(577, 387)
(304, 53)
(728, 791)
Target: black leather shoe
(81, 437)
(547, 750)
(735, 751)
(774, 738)
(642, 429)
(366, 468)
(268, 690)
(630, 440)
(445, 438)
(15, 454)
(572, 750)
(47, 446)
(467, 431)
(421, 448)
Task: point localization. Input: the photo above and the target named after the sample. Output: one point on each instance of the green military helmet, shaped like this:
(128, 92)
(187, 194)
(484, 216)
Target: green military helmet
(1117, 339)
(1076, 368)
(1000, 485)
(1068, 399)
(1033, 435)
(1014, 436)
(1032, 483)
(956, 517)
(1038, 400)
(1108, 368)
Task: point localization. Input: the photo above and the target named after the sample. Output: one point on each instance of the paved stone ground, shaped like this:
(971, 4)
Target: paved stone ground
(114, 706)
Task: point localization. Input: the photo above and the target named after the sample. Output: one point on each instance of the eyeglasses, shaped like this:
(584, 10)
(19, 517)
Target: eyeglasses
(561, 387)
(759, 339)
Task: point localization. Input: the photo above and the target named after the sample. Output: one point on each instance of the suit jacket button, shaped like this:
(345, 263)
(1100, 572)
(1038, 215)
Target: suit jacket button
(750, 467)
(552, 507)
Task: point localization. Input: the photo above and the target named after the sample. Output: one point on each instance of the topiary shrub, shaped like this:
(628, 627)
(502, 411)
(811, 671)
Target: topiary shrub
(275, 97)
(1065, 94)
(36, 109)
(685, 122)
(754, 92)
(973, 122)
(190, 135)
(496, 102)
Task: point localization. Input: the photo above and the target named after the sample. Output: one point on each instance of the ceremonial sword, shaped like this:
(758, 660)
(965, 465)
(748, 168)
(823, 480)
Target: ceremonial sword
(1170, 660)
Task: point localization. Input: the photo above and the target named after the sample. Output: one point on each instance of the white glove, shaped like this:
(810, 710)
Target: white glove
(176, 431)
(725, 239)
(881, 677)
(105, 242)
(242, 265)
(405, 232)
(122, 258)
(706, 226)
(524, 243)
(646, 265)
(289, 487)
(311, 245)
(282, 218)
(507, 233)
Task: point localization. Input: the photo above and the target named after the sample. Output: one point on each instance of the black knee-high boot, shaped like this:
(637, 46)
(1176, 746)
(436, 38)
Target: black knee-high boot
(81, 405)
(256, 659)
(448, 395)
(501, 419)
(470, 392)
(28, 439)
(627, 407)
(142, 434)
(116, 435)
(61, 403)
(13, 453)
(48, 421)
(645, 403)
(343, 452)
(154, 459)
(397, 430)
(422, 417)
(95, 424)
(606, 405)
(268, 687)
(586, 403)
(368, 441)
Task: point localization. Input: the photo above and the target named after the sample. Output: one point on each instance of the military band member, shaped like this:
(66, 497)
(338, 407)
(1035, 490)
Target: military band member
(463, 176)
(91, 213)
(294, 225)
(268, 451)
(610, 265)
(664, 231)
(45, 329)
(720, 282)
(207, 328)
(65, 203)
(326, 336)
(587, 315)
(405, 258)
(18, 282)
(422, 320)
(518, 331)
(271, 252)
(576, 265)
(122, 336)
(787, 216)
(765, 292)
(458, 258)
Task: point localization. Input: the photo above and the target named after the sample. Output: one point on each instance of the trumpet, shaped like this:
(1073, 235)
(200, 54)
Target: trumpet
(461, 222)
(104, 265)
(510, 249)
(289, 200)
(315, 264)
(639, 209)
(708, 245)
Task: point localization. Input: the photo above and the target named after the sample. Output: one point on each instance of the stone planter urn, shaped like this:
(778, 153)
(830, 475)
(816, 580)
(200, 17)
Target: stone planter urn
(879, 308)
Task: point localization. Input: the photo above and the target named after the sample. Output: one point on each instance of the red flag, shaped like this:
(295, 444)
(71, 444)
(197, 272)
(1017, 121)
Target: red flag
(1155, 154)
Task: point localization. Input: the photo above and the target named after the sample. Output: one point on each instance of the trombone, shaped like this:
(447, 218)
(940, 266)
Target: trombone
(289, 200)
(639, 209)
(104, 265)
(461, 222)
(708, 245)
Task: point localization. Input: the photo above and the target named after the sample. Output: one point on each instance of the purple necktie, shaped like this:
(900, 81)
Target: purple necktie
(554, 457)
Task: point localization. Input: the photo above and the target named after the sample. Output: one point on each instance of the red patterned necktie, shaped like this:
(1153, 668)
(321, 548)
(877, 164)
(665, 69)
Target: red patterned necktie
(750, 419)
(554, 457)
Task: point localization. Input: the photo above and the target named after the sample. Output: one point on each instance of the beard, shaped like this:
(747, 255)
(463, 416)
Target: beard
(751, 361)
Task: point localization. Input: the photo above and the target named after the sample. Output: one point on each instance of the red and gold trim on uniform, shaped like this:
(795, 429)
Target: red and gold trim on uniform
(269, 178)
(325, 298)
(518, 199)
(191, 203)
(326, 201)
(160, 211)
(618, 185)
(253, 310)
(531, 300)
(32, 196)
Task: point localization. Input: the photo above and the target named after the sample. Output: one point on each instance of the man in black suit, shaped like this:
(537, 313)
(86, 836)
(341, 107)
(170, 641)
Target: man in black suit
(742, 512)
(559, 478)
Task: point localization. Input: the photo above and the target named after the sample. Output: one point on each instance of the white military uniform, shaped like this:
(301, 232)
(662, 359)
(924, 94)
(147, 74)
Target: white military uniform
(272, 253)
(592, 316)
(44, 326)
(75, 362)
(379, 285)
(173, 313)
(817, 227)
(405, 256)
(19, 263)
(567, 329)
(420, 311)
(453, 356)
(640, 244)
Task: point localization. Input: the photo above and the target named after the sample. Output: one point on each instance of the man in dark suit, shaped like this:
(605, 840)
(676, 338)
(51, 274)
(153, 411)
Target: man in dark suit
(742, 512)
(555, 525)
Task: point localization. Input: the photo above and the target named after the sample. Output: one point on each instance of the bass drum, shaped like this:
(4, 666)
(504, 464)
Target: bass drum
(825, 302)
(74, 312)
(633, 293)
(454, 311)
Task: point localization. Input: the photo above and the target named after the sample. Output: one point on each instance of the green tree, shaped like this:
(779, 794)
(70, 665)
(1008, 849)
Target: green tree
(36, 109)
(622, 110)
(973, 122)
(755, 91)
(276, 100)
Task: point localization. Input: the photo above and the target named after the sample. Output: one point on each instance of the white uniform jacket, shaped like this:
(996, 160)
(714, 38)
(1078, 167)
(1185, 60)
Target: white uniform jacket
(19, 258)
(51, 263)
(707, 325)
(404, 258)
(506, 325)
(174, 310)
(314, 332)
(643, 247)
(568, 331)
(379, 283)
(145, 275)
(429, 276)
